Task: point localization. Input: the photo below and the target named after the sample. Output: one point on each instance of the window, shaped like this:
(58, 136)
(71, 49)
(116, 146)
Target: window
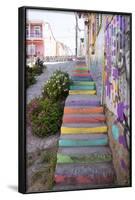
(27, 30)
(37, 30)
(31, 50)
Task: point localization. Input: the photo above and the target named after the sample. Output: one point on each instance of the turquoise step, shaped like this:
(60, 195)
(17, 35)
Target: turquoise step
(82, 87)
(81, 143)
(83, 83)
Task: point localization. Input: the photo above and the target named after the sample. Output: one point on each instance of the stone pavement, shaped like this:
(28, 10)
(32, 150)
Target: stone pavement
(35, 90)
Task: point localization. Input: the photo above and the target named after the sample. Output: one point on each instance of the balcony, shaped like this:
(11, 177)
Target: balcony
(34, 36)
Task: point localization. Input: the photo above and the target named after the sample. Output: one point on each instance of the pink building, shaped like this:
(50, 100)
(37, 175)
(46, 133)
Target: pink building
(41, 42)
(35, 39)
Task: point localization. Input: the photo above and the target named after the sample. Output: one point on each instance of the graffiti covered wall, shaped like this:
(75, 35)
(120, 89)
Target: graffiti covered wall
(117, 92)
(117, 66)
(110, 68)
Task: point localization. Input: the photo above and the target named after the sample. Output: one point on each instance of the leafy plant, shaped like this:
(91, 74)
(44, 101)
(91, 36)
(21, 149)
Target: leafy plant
(57, 86)
(30, 76)
(37, 69)
(44, 117)
(33, 71)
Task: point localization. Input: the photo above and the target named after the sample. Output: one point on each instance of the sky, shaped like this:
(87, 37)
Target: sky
(62, 24)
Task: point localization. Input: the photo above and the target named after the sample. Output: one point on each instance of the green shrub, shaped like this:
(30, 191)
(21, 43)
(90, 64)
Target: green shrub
(44, 117)
(30, 76)
(37, 69)
(57, 86)
(31, 72)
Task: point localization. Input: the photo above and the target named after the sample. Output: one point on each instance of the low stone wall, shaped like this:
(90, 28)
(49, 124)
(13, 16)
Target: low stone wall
(118, 145)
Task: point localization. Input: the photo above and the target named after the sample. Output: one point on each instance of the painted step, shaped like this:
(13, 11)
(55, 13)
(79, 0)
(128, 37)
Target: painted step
(82, 100)
(83, 110)
(81, 68)
(81, 71)
(82, 87)
(77, 180)
(83, 97)
(95, 138)
(61, 158)
(79, 83)
(87, 118)
(81, 74)
(81, 128)
(82, 143)
(87, 169)
(77, 78)
(84, 125)
(83, 150)
(82, 92)
(85, 136)
(64, 187)
(96, 173)
(90, 156)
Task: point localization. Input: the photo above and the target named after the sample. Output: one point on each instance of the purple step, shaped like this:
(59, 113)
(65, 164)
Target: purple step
(75, 169)
(80, 151)
(82, 103)
(82, 100)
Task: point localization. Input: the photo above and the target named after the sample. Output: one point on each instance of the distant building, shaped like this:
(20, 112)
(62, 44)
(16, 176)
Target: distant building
(41, 41)
(62, 50)
(49, 41)
(34, 39)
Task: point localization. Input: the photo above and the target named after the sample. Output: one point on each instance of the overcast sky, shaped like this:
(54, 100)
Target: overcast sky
(62, 24)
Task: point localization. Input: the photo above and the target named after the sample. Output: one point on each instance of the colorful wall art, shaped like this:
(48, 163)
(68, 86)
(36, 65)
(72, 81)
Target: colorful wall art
(110, 67)
(120, 149)
(117, 66)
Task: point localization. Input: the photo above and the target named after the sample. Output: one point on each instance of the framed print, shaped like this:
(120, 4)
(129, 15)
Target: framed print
(74, 99)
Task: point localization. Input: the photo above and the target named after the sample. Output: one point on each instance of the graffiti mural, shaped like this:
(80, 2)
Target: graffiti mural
(117, 66)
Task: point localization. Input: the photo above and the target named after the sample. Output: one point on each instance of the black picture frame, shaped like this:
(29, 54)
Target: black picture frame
(22, 91)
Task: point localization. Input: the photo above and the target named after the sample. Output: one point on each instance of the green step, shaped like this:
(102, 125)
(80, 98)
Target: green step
(93, 158)
(82, 87)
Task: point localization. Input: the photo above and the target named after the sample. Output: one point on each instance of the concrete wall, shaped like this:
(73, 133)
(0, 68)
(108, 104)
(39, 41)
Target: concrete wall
(97, 60)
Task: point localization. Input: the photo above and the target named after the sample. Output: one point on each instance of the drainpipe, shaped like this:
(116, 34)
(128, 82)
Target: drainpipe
(88, 46)
(103, 68)
(103, 79)
(76, 36)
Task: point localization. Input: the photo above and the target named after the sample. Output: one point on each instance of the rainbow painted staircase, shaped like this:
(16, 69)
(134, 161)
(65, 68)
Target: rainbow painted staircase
(84, 159)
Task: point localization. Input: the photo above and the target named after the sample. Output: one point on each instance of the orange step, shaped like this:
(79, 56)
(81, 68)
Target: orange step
(83, 120)
(83, 110)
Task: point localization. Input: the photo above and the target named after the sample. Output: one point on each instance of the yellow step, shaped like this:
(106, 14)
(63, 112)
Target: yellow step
(68, 130)
(82, 92)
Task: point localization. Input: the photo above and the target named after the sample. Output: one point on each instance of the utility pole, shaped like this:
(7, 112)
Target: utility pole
(76, 36)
